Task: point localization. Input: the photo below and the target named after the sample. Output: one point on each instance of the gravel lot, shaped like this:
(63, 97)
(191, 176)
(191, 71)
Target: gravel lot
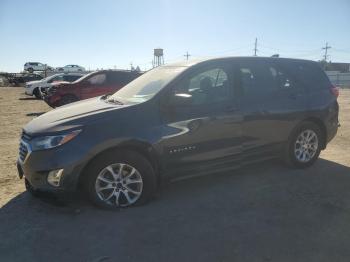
(265, 212)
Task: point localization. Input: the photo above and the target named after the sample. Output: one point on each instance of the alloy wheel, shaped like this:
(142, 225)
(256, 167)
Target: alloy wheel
(119, 184)
(306, 146)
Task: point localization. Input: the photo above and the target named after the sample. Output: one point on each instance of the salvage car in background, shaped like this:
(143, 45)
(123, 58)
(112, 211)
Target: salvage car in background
(36, 66)
(21, 78)
(71, 68)
(91, 85)
(33, 87)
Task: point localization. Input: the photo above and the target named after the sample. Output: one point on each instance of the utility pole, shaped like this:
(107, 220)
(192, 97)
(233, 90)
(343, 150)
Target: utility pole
(255, 46)
(187, 55)
(326, 51)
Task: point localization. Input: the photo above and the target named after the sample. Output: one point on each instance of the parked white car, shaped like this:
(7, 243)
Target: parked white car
(33, 87)
(71, 68)
(36, 66)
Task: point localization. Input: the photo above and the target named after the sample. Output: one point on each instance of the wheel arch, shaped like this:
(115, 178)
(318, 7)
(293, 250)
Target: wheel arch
(320, 124)
(144, 149)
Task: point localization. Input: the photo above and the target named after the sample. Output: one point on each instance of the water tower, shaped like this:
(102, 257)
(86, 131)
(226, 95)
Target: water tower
(158, 58)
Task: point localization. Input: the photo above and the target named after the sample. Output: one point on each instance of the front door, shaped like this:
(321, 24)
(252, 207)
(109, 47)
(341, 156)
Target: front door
(203, 131)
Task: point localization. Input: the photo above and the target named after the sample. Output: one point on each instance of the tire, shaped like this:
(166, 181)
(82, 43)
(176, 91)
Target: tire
(36, 93)
(30, 70)
(139, 180)
(67, 99)
(301, 153)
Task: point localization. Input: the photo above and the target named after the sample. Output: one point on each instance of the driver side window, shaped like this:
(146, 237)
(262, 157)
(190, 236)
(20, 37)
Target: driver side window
(207, 87)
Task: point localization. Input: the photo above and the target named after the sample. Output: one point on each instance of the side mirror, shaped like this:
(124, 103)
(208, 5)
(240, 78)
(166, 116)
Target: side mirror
(180, 100)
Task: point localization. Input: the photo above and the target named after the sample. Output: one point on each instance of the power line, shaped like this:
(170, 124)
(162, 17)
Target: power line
(326, 51)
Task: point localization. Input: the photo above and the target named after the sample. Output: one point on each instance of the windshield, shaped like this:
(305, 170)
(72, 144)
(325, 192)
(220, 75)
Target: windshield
(146, 86)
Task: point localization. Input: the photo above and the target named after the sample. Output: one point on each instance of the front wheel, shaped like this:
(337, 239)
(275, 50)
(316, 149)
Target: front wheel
(304, 145)
(120, 179)
(36, 93)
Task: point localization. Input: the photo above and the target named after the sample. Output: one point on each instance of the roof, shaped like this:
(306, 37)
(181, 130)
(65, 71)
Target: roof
(204, 60)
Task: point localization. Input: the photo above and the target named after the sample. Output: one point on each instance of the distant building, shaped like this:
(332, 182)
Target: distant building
(340, 67)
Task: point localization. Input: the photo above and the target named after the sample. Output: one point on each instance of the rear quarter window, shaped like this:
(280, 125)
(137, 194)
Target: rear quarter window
(122, 78)
(308, 74)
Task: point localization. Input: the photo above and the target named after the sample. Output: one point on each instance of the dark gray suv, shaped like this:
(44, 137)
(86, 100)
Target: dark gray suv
(181, 120)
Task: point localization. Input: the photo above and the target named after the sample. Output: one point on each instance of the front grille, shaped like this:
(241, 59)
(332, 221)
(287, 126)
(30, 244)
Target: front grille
(23, 151)
(23, 148)
(25, 136)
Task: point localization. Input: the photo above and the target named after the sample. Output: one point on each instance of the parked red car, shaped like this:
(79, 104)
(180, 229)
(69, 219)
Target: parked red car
(91, 85)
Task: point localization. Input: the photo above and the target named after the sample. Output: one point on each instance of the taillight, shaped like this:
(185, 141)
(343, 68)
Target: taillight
(335, 91)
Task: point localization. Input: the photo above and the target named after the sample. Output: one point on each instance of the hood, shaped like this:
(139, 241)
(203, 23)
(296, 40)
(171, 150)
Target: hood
(71, 116)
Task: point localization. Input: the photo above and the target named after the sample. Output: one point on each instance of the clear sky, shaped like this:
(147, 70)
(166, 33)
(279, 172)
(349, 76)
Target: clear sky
(108, 34)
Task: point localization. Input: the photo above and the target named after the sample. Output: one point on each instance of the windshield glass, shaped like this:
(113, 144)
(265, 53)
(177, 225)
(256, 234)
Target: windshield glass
(147, 85)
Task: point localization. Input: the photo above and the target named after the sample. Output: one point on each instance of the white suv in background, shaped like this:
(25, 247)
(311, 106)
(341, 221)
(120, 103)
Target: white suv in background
(71, 68)
(33, 87)
(36, 66)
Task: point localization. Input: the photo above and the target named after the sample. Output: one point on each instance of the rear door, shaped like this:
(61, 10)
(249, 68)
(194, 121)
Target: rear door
(206, 132)
(95, 85)
(272, 103)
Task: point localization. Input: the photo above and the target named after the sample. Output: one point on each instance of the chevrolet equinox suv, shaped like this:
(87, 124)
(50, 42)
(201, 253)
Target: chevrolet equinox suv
(184, 119)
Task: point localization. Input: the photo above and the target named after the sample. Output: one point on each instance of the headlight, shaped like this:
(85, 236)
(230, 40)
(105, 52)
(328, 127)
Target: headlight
(27, 86)
(47, 142)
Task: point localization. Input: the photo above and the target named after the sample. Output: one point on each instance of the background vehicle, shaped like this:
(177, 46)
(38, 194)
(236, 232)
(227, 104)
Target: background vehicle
(91, 85)
(34, 87)
(71, 68)
(36, 66)
(186, 119)
(22, 78)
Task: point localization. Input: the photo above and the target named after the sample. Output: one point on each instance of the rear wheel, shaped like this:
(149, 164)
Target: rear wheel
(120, 179)
(67, 99)
(304, 146)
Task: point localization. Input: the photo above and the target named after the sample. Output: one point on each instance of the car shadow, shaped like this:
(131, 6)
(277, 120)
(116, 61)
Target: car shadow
(35, 114)
(28, 98)
(265, 212)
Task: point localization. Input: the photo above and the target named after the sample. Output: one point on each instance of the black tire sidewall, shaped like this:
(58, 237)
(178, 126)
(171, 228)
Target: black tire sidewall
(36, 93)
(132, 158)
(291, 158)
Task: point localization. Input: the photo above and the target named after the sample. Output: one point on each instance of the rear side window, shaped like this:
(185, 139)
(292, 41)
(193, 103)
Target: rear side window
(281, 80)
(309, 74)
(98, 79)
(261, 77)
(121, 78)
(256, 78)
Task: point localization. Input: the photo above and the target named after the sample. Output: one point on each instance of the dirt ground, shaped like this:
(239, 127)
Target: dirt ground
(266, 212)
